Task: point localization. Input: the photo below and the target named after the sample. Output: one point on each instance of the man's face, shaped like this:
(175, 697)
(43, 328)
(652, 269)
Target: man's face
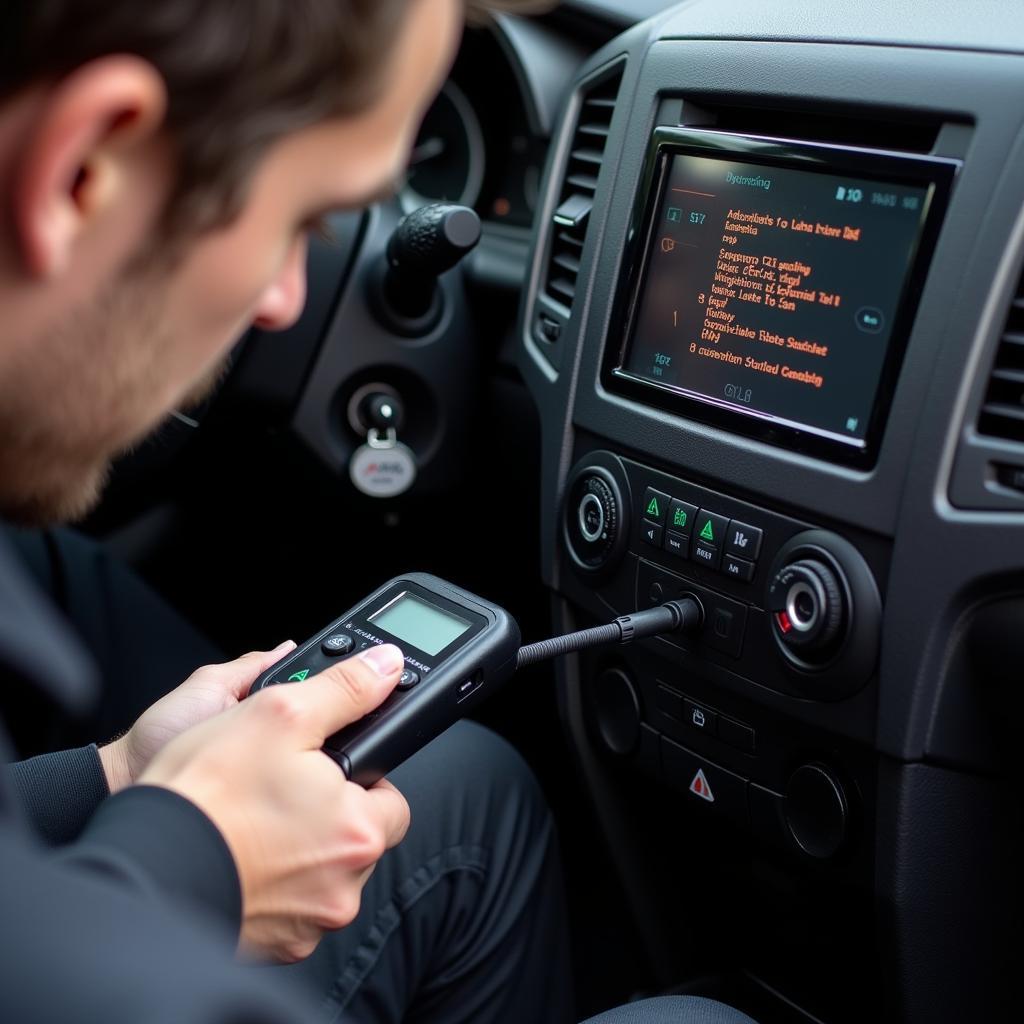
(104, 366)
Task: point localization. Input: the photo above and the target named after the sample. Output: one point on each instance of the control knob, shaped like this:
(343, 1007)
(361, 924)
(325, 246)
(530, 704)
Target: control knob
(808, 608)
(593, 519)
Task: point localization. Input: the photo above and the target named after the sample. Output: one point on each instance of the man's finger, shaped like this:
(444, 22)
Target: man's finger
(241, 673)
(345, 692)
(264, 659)
(393, 808)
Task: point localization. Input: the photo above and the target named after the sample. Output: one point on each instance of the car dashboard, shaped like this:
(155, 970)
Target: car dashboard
(774, 328)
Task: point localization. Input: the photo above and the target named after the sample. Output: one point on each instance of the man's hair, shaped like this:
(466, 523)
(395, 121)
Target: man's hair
(240, 74)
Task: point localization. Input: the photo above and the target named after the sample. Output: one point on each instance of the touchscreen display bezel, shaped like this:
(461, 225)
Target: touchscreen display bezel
(934, 173)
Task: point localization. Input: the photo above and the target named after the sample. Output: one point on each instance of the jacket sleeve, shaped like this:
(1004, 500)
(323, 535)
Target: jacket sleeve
(81, 943)
(146, 837)
(158, 844)
(59, 792)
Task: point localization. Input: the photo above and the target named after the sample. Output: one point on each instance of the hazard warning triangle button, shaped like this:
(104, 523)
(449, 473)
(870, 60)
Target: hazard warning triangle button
(720, 791)
(700, 787)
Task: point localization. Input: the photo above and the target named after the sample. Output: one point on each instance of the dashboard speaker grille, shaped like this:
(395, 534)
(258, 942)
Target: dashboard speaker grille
(1002, 414)
(579, 184)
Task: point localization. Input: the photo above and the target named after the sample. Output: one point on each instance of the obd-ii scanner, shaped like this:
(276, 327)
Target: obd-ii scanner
(459, 648)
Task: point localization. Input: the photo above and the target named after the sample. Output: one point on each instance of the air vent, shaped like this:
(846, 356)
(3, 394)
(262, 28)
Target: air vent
(1002, 415)
(570, 220)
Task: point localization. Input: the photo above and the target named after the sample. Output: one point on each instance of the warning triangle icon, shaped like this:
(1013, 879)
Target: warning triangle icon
(700, 787)
(652, 508)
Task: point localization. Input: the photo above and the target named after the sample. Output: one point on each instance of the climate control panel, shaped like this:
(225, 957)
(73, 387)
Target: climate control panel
(791, 607)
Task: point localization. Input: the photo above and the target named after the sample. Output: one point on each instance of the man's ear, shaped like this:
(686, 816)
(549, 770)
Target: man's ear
(71, 168)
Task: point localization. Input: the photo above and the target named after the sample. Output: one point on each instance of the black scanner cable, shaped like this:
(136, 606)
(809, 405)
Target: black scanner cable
(684, 615)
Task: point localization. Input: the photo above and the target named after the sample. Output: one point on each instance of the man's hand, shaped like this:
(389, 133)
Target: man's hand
(210, 690)
(304, 838)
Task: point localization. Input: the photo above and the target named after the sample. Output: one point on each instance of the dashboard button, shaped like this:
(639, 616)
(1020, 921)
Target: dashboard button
(724, 624)
(655, 506)
(670, 702)
(736, 734)
(677, 544)
(681, 515)
(654, 585)
(704, 782)
(743, 540)
(710, 528)
(738, 568)
(707, 554)
(700, 718)
(651, 533)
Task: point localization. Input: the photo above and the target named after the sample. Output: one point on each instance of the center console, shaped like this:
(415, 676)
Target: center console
(771, 277)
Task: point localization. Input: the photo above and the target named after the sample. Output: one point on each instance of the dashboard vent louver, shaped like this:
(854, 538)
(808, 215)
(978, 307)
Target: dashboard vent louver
(1002, 414)
(570, 220)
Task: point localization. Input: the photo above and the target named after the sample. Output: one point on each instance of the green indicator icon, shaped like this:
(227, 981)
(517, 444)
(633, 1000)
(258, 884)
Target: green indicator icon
(675, 215)
(297, 677)
(708, 532)
(652, 509)
(679, 517)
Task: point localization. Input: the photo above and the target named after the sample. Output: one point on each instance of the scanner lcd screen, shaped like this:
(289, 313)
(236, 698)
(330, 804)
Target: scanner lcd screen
(425, 626)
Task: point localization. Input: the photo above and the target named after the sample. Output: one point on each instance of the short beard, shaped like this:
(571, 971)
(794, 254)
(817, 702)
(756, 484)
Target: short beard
(75, 397)
(206, 385)
(40, 508)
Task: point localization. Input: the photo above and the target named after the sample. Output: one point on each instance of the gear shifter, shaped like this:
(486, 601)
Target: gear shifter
(425, 244)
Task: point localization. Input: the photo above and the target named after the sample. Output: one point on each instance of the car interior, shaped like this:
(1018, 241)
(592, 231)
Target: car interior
(737, 316)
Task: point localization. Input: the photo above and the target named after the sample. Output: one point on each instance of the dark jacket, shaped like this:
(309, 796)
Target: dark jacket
(118, 908)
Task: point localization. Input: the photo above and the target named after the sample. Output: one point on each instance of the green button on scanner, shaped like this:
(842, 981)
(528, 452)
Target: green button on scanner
(297, 677)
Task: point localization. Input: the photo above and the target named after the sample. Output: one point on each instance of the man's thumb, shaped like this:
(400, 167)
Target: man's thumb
(352, 688)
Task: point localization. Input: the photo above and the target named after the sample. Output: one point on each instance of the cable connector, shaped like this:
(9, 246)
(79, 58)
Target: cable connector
(682, 616)
(685, 615)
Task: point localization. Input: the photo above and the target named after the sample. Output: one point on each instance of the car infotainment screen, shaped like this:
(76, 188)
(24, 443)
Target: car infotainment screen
(777, 290)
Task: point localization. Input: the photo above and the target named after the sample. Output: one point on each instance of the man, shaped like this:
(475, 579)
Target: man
(161, 165)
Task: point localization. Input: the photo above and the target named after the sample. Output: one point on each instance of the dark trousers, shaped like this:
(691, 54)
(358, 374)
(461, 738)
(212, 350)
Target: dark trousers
(463, 922)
